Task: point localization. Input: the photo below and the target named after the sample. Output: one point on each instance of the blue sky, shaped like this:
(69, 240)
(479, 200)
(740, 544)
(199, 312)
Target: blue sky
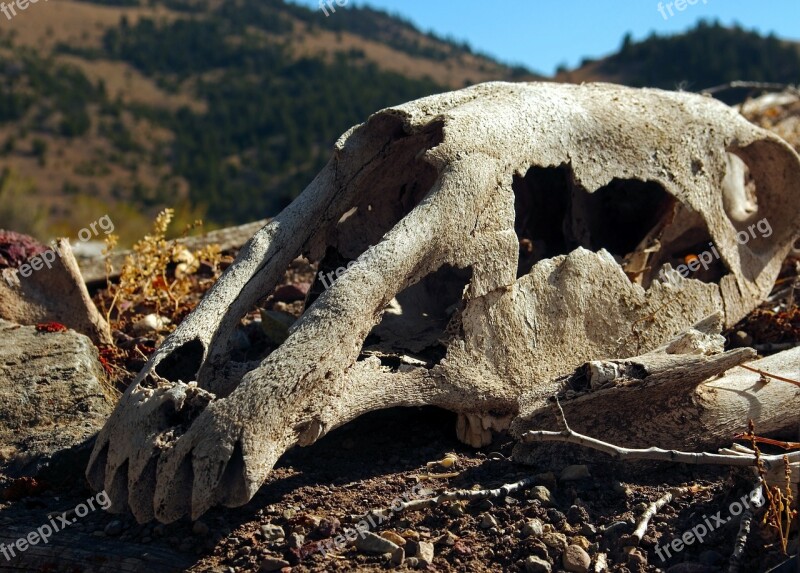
(542, 34)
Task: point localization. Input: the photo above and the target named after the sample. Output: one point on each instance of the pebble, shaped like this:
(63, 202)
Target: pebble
(637, 558)
(291, 292)
(581, 542)
(741, 338)
(272, 533)
(375, 544)
(456, 509)
(424, 553)
(448, 539)
(295, 540)
(272, 564)
(577, 514)
(484, 505)
(555, 540)
(532, 527)
(542, 494)
(535, 564)
(576, 560)
(114, 528)
(393, 537)
(572, 473)
(488, 521)
(199, 528)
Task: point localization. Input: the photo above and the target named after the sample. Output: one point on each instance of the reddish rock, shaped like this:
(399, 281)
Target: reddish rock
(291, 293)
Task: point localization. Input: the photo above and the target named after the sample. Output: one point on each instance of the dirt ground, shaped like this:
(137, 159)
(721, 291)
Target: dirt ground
(318, 493)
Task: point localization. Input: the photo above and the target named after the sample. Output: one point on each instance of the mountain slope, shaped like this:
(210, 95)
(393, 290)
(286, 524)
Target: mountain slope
(225, 109)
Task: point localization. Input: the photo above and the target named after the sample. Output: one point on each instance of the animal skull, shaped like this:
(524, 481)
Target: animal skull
(490, 227)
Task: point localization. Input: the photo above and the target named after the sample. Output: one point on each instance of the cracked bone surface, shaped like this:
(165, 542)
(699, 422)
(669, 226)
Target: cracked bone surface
(488, 227)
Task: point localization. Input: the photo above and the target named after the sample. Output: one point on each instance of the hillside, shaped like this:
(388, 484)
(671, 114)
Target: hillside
(222, 109)
(706, 56)
(225, 109)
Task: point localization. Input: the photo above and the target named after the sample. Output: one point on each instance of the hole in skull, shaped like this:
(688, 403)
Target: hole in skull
(541, 204)
(554, 215)
(618, 216)
(182, 363)
(388, 190)
(420, 319)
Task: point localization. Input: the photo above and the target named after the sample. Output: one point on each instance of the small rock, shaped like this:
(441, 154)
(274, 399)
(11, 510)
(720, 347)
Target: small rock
(114, 528)
(375, 544)
(448, 539)
(572, 473)
(398, 556)
(484, 505)
(541, 494)
(328, 527)
(741, 339)
(456, 509)
(272, 533)
(424, 553)
(412, 562)
(199, 528)
(488, 521)
(581, 542)
(150, 323)
(295, 540)
(393, 537)
(636, 558)
(532, 527)
(577, 515)
(554, 540)
(576, 560)
(159, 530)
(535, 564)
(272, 564)
(291, 292)
(557, 518)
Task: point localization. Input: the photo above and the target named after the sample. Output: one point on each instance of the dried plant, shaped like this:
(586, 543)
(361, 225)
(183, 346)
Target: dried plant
(158, 276)
(779, 514)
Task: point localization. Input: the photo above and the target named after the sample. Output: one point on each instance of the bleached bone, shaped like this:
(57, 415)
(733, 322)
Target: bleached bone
(422, 196)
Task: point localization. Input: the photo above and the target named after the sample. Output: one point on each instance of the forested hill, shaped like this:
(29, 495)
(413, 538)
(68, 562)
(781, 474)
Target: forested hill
(225, 109)
(708, 55)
